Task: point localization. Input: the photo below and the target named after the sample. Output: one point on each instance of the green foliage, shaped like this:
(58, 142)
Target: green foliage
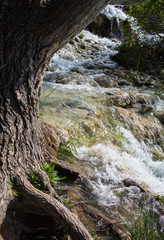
(10, 183)
(35, 180)
(150, 15)
(160, 198)
(49, 168)
(146, 227)
(158, 91)
(81, 36)
(136, 54)
(130, 37)
(68, 149)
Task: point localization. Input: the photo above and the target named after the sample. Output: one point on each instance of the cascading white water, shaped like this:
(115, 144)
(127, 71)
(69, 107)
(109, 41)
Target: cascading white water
(67, 58)
(112, 165)
(113, 11)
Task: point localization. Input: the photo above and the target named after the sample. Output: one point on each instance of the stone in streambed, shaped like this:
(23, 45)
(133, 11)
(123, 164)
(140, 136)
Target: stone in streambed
(145, 109)
(122, 99)
(77, 70)
(160, 116)
(105, 81)
(129, 182)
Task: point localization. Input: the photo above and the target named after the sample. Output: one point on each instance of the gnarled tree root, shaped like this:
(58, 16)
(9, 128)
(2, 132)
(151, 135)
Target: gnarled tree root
(53, 208)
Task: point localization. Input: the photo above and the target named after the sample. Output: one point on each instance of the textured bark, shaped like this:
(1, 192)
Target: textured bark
(31, 31)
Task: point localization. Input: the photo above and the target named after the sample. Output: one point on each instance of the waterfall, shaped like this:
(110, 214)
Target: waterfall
(115, 14)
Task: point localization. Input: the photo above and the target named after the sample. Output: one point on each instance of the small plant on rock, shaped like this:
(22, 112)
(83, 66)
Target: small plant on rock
(49, 168)
(35, 180)
(68, 149)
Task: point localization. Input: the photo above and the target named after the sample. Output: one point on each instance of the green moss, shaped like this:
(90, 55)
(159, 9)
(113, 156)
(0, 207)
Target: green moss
(81, 36)
(117, 136)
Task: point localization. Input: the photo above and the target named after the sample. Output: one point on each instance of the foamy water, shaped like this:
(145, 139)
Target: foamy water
(68, 58)
(111, 166)
(114, 11)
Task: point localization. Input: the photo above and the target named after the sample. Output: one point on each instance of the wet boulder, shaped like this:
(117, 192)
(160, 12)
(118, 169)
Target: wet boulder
(160, 116)
(144, 98)
(145, 109)
(122, 99)
(129, 182)
(100, 25)
(77, 70)
(105, 81)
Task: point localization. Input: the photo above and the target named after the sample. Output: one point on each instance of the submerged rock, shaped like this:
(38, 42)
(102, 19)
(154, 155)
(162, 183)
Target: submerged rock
(78, 70)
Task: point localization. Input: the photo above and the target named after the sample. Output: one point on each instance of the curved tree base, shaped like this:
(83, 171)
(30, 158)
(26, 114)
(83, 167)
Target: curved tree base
(31, 31)
(35, 202)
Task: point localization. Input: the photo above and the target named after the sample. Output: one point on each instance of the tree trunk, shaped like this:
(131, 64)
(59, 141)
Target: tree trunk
(31, 31)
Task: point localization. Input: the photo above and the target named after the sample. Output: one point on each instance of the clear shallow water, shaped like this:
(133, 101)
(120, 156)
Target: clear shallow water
(112, 148)
(81, 111)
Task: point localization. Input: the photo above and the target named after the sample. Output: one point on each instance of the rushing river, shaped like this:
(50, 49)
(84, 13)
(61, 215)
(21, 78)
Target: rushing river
(115, 140)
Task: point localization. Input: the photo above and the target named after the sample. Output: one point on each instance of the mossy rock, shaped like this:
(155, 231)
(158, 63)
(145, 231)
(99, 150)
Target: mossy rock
(102, 26)
(145, 109)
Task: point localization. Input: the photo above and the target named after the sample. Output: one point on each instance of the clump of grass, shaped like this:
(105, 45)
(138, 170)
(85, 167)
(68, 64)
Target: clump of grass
(146, 227)
(49, 168)
(158, 91)
(13, 186)
(10, 183)
(35, 180)
(67, 149)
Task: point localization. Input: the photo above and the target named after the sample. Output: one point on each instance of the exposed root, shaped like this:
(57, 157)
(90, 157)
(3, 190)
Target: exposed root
(106, 225)
(53, 208)
(47, 185)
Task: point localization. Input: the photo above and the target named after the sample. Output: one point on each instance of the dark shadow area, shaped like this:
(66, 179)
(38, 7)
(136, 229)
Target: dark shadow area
(21, 225)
